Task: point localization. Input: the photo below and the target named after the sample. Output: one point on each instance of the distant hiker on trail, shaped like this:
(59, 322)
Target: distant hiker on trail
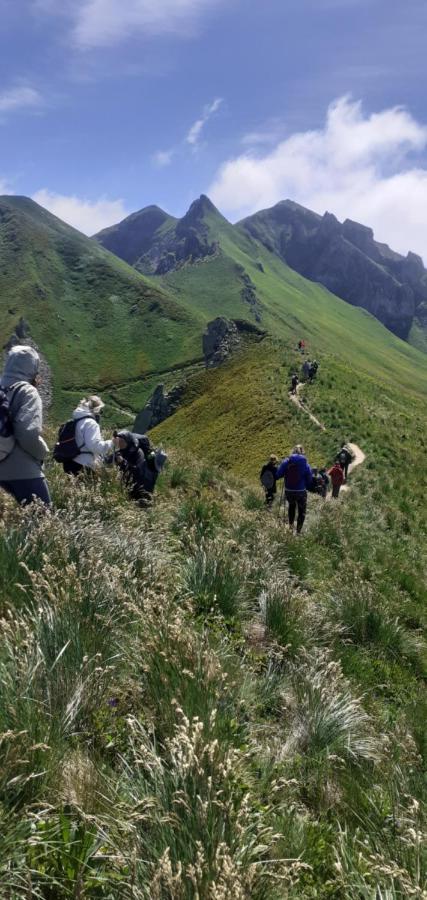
(320, 481)
(301, 346)
(139, 463)
(22, 448)
(298, 477)
(80, 444)
(336, 474)
(312, 372)
(345, 458)
(294, 383)
(306, 368)
(268, 479)
(325, 483)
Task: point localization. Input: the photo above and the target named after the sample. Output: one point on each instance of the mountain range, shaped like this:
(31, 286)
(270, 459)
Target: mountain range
(121, 326)
(344, 258)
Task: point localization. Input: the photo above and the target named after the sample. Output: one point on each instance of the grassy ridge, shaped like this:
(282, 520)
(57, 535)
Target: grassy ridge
(196, 704)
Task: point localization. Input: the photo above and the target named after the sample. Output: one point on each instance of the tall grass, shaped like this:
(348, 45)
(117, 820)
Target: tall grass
(193, 705)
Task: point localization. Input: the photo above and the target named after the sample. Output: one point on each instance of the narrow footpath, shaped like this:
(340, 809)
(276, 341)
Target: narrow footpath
(296, 400)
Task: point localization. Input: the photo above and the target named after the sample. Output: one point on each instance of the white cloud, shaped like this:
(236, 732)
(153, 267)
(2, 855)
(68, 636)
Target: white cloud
(85, 215)
(19, 97)
(163, 158)
(102, 23)
(197, 127)
(357, 166)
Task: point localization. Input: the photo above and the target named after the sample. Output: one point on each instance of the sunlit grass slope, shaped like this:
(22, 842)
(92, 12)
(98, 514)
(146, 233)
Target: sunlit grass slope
(94, 317)
(195, 704)
(102, 325)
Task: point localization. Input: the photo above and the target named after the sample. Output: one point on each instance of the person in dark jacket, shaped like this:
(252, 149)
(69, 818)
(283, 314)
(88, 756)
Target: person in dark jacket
(268, 479)
(298, 478)
(21, 470)
(294, 383)
(325, 483)
(345, 458)
(137, 462)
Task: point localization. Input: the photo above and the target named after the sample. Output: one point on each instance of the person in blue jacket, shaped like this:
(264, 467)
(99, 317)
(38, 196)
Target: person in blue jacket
(298, 477)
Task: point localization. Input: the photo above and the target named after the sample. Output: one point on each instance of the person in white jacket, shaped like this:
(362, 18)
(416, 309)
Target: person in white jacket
(93, 449)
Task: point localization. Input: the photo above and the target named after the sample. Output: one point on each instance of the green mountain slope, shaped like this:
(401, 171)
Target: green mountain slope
(103, 326)
(344, 258)
(95, 318)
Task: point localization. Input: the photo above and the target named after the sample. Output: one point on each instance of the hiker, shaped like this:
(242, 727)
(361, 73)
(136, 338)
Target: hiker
(336, 474)
(298, 478)
(22, 448)
(345, 458)
(324, 483)
(306, 368)
(312, 372)
(139, 463)
(294, 383)
(268, 479)
(80, 444)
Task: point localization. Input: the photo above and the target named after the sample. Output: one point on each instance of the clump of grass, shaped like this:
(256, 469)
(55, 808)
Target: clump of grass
(282, 611)
(199, 515)
(180, 477)
(214, 578)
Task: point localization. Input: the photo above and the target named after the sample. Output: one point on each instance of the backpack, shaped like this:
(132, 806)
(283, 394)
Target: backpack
(343, 457)
(66, 447)
(268, 480)
(292, 476)
(160, 459)
(7, 440)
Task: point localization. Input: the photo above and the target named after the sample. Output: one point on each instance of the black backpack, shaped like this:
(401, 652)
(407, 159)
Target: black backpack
(7, 440)
(66, 447)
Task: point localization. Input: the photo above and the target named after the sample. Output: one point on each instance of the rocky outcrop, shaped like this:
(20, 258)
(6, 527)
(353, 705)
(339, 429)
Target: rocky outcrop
(220, 339)
(346, 259)
(249, 295)
(159, 407)
(156, 243)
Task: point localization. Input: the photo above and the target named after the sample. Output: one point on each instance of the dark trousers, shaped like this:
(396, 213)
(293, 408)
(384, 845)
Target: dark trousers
(335, 490)
(28, 489)
(72, 468)
(296, 499)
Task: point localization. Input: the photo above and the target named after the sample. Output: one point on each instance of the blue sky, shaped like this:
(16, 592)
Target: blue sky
(110, 105)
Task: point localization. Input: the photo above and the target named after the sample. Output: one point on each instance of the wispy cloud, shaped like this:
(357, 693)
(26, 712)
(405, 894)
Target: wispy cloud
(196, 129)
(19, 97)
(365, 167)
(163, 158)
(103, 23)
(87, 216)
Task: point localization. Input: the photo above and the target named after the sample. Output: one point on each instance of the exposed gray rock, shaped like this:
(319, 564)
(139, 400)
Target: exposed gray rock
(249, 295)
(219, 340)
(159, 407)
(347, 260)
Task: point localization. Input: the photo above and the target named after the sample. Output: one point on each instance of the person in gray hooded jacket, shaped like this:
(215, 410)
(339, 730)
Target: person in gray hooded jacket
(21, 472)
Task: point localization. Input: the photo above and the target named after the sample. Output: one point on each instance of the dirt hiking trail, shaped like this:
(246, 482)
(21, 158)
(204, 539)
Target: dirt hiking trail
(358, 454)
(359, 458)
(294, 398)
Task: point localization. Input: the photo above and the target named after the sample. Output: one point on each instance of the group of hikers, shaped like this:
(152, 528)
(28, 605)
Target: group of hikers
(300, 478)
(80, 446)
(309, 372)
